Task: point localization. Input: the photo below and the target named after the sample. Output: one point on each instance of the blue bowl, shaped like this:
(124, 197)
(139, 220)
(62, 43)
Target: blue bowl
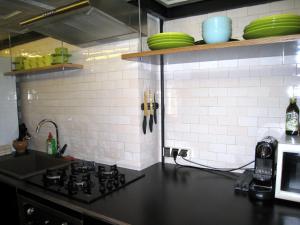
(217, 29)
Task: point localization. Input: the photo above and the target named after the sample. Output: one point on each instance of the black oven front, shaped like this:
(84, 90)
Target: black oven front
(34, 212)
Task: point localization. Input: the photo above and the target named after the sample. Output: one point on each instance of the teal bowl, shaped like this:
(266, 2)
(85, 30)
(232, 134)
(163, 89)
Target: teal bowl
(217, 29)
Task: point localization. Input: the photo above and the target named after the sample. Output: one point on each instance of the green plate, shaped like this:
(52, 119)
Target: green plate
(277, 17)
(273, 23)
(170, 35)
(168, 40)
(272, 31)
(170, 44)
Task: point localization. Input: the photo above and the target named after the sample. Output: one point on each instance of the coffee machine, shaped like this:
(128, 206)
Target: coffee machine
(262, 186)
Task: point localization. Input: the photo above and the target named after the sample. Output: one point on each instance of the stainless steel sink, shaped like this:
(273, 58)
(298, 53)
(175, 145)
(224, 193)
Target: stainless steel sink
(30, 164)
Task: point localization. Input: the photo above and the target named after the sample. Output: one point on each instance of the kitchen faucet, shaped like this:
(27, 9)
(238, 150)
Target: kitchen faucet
(41, 123)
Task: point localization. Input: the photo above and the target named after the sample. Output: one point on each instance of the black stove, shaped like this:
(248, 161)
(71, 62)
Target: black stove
(85, 181)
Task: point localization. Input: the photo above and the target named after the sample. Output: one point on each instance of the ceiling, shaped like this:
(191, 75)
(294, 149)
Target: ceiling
(14, 11)
(173, 3)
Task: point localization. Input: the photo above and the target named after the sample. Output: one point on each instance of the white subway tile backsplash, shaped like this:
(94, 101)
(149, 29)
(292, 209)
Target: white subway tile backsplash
(236, 131)
(259, 9)
(249, 82)
(266, 61)
(269, 122)
(282, 5)
(244, 103)
(199, 128)
(228, 63)
(206, 155)
(247, 101)
(225, 139)
(217, 148)
(227, 101)
(247, 121)
(227, 158)
(217, 92)
(268, 101)
(240, 12)
(217, 111)
(237, 92)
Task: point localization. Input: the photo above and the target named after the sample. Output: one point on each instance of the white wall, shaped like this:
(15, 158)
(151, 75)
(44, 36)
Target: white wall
(97, 109)
(218, 103)
(222, 102)
(8, 105)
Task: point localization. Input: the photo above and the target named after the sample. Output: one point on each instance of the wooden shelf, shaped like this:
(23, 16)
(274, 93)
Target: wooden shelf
(252, 42)
(47, 69)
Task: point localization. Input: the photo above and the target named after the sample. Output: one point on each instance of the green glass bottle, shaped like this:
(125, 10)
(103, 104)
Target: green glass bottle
(292, 118)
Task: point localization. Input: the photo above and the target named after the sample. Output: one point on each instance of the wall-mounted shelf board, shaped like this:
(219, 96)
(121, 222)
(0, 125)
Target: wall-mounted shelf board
(242, 43)
(47, 69)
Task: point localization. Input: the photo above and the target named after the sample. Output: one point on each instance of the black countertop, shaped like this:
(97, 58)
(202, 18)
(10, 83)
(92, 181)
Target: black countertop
(169, 195)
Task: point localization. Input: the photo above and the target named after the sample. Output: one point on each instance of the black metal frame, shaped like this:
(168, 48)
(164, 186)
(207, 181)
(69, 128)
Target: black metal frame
(195, 8)
(20, 39)
(162, 97)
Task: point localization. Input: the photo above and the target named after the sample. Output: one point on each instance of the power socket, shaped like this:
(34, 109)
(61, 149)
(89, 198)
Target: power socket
(167, 152)
(185, 153)
(174, 152)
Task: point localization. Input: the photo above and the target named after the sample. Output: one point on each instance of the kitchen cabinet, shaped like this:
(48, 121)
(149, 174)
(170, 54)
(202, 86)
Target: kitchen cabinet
(9, 205)
(92, 221)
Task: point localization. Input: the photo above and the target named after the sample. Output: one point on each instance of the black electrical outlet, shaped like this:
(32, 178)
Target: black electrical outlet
(174, 152)
(183, 153)
(167, 151)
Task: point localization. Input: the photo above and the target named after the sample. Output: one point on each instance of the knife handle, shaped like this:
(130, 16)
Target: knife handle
(151, 123)
(144, 124)
(154, 114)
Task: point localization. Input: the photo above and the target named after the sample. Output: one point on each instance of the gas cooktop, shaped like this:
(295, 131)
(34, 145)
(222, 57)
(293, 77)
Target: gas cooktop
(85, 181)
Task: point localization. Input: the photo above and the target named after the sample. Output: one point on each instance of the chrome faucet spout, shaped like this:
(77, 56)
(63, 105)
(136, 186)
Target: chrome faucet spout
(42, 122)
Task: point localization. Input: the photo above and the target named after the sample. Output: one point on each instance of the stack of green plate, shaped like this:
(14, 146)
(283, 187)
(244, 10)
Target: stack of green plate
(169, 40)
(275, 25)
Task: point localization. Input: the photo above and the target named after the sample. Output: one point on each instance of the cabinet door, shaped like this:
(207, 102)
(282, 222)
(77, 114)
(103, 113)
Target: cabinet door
(8, 204)
(93, 221)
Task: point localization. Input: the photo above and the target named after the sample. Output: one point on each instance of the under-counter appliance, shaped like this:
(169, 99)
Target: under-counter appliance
(85, 181)
(288, 169)
(35, 212)
(263, 184)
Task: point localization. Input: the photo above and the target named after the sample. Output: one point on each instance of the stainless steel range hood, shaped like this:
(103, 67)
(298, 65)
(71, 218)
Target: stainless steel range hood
(89, 22)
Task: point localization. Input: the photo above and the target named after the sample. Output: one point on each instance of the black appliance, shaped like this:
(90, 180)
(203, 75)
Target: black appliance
(85, 181)
(34, 212)
(263, 184)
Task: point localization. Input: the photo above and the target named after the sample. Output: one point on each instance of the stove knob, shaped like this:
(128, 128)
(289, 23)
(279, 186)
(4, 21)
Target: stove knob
(30, 211)
(47, 222)
(122, 178)
(65, 223)
(109, 185)
(102, 188)
(116, 183)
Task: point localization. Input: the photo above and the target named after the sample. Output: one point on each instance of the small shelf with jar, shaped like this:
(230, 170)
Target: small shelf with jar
(59, 61)
(46, 69)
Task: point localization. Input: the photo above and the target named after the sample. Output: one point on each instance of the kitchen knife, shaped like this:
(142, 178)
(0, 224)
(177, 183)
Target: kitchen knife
(154, 112)
(145, 112)
(151, 111)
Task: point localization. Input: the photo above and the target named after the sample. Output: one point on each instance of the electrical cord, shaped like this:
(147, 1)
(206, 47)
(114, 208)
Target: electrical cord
(206, 167)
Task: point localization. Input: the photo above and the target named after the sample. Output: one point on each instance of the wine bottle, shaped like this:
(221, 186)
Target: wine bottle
(292, 118)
